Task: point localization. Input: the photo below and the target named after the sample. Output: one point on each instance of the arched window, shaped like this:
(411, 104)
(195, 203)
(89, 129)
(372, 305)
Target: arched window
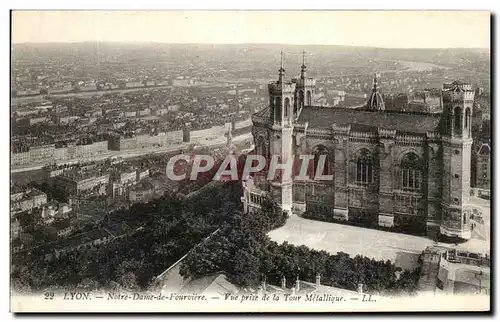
(364, 167)
(278, 108)
(448, 120)
(309, 98)
(319, 151)
(458, 120)
(295, 101)
(301, 99)
(411, 172)
(467, 119)
(287, 106)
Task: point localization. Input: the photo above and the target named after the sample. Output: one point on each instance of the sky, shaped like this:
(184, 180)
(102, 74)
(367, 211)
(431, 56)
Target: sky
(390, 29)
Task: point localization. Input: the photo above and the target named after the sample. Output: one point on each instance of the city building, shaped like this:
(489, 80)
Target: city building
(27, 200)
(142, 174)
(20, 158)
(207, 136)
(146, 141)
(68, 245)
(141, 193)
(74, 182)
(389, 168)
(127, 176)
(63, 228)
(42, 153)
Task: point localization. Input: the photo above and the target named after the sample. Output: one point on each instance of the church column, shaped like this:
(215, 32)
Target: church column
(432, 188)
(340, 211)
(386, 179)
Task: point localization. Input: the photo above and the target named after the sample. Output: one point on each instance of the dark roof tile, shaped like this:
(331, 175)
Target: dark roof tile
(320, 117)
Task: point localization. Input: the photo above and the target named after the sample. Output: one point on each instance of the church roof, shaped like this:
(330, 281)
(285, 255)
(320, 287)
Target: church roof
(364, 120)
(263, 112)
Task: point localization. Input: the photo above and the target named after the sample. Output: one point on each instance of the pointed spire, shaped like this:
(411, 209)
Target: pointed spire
(376, 102)
(281, 70)
(375, 82)
(303, 67)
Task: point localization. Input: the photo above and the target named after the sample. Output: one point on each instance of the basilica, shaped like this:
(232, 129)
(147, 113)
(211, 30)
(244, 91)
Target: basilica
(390, 168)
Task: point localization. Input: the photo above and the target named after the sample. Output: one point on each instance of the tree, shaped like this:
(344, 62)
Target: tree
(129, 282)
(89, 284)
(245, 270)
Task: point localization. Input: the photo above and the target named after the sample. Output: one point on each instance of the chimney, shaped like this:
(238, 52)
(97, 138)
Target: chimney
(360, 287)
(318, 280)
(297, 284)
(283, 282)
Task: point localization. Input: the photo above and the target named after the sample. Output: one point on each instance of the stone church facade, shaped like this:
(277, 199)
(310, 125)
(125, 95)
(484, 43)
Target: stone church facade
(390, 168)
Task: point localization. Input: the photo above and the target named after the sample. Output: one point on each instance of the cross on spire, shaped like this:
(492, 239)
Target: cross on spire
(281, 63)
(281, 70)
(303, 67)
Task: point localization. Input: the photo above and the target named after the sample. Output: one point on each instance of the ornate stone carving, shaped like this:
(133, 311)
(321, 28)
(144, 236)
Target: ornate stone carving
(299, 138)
(433, 150)
(386, 147)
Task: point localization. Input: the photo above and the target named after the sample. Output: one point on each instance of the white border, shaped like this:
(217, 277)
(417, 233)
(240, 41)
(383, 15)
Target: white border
(186, 4)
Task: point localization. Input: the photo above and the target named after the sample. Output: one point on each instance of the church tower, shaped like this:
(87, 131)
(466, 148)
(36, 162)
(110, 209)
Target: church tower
(304, 91)
(458, 99)
(281, 101)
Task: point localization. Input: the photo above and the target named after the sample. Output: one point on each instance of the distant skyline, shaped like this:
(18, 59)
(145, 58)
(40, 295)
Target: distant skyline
(387, 29)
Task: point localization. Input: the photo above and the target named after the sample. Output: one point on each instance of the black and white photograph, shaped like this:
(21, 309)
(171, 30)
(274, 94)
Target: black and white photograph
(250, 161)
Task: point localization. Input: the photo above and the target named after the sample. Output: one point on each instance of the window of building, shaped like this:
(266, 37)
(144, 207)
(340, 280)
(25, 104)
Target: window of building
(287, 106)
(364, 168)
(318, 152)
(448, 120)
(458, 119)
(467, 118)
(407, 203)
(411, 172)
(278, 108)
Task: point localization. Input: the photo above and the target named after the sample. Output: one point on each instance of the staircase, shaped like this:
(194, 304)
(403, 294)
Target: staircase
(430, 270)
